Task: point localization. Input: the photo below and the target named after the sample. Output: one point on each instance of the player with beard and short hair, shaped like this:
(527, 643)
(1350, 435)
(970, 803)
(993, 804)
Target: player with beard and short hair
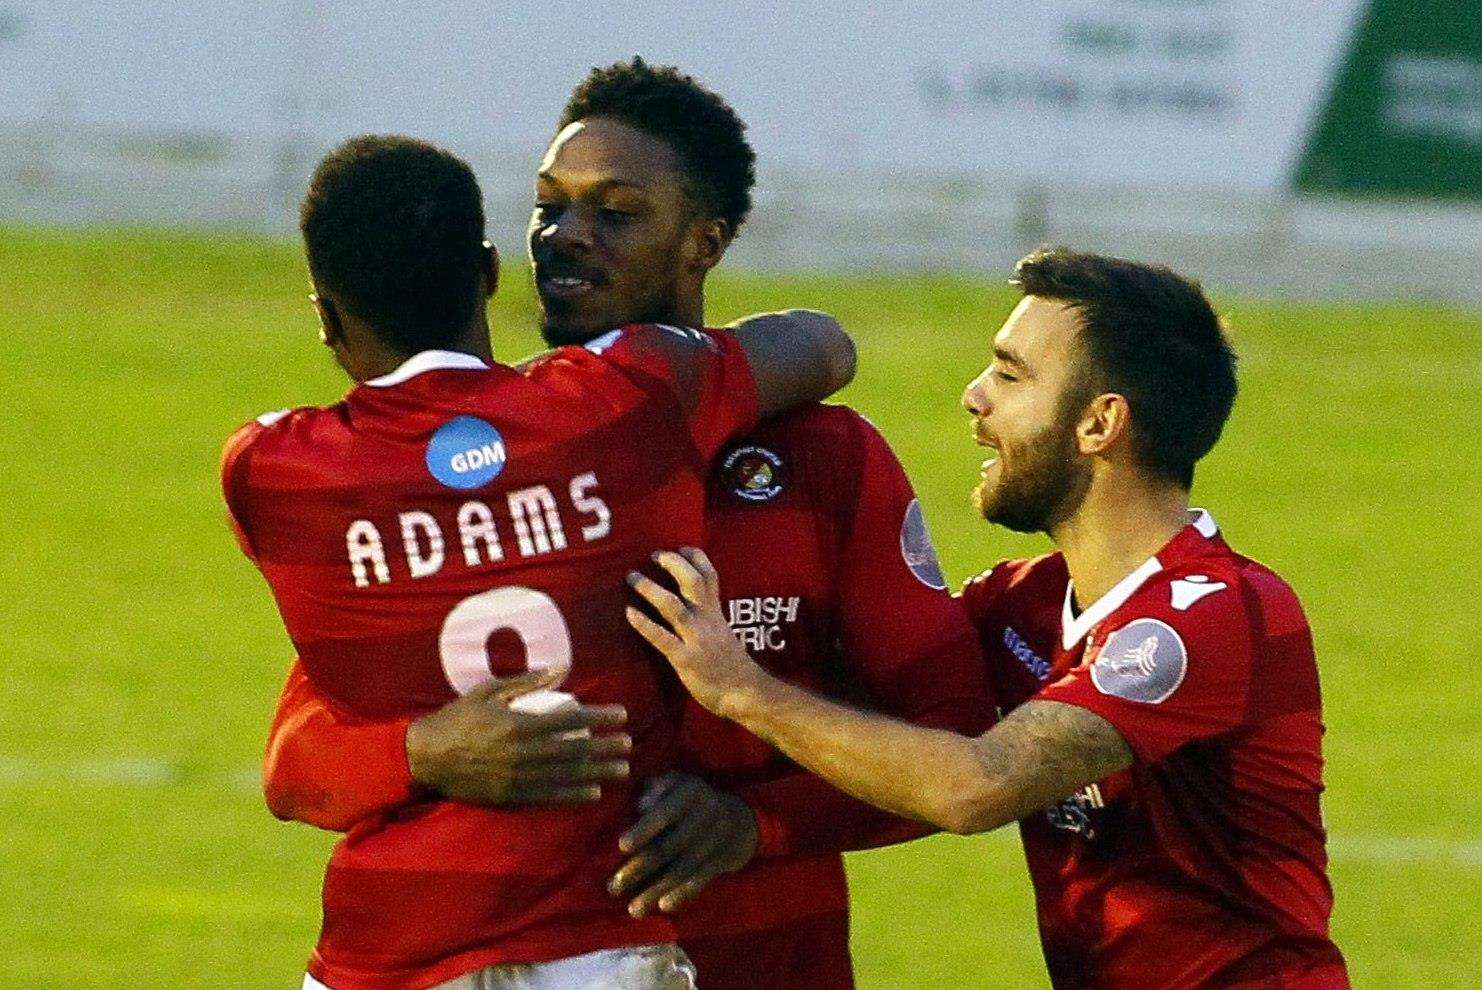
(1161, 738)
(829, 569)
(452, 517)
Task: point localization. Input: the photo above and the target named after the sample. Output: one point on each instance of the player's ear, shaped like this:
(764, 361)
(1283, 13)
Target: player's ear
(491, 270)
(710, 237)
(1105, 420)
(331, 331)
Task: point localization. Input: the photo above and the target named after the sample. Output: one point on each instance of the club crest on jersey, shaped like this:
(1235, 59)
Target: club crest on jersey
(1143, 661)
(917, 549)
(753, 474)
(466, 453)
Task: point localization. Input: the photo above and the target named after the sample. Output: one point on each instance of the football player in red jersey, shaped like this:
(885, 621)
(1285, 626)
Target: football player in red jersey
(452, 516)
(1161, 738)
(830, 575)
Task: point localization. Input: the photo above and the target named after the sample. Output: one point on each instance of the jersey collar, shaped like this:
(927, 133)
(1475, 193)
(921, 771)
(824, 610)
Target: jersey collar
(428, 361)
(1074, 628)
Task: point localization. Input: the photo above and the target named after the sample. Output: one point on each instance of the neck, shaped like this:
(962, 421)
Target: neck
(1123, 520)
(474, 340)
(375, 360)
(689, 307)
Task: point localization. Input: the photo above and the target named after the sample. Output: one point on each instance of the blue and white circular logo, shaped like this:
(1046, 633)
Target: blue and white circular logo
(1144, 661)
(917, 549)
(466, 453)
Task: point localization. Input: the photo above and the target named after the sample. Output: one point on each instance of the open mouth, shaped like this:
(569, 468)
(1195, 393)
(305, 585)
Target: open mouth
(565, 286)
(566, 281)
(984, 439)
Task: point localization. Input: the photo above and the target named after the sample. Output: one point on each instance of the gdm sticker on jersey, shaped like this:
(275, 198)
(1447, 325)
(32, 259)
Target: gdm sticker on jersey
(753, 473)
(466, 453)
(917, 549)
(1143, 661)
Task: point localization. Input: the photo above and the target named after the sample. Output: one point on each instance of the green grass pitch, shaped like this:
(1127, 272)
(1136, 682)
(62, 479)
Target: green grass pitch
(142, 654)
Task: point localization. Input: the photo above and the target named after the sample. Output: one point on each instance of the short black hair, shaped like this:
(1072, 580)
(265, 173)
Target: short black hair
(706, 134)
(1152, 336)
(394, 229)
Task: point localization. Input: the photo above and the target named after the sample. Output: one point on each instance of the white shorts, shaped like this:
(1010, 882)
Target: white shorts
(642, 967)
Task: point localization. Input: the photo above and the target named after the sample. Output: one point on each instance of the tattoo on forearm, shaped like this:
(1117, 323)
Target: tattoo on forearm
(1044, 751)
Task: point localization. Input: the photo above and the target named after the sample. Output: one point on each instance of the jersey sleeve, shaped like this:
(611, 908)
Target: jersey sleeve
(704, 373)
(236, 456)
(1164, 678)
(905, 640)
(325, 768)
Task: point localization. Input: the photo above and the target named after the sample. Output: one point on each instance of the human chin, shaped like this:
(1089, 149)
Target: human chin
(1000, 503)
(565, 322)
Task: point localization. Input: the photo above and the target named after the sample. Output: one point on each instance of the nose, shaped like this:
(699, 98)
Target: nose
(974, 398)
(571, 231)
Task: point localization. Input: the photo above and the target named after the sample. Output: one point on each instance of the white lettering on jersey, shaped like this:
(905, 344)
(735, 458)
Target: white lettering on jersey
(414, 527)
(1187, 591)
(475, 523)
(581, 487)
(534, 514)
(537, 524)
(759, 623)
(363, 541)
(484, 455)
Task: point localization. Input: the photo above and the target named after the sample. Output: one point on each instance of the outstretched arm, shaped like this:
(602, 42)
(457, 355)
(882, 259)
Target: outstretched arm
(1041, 753)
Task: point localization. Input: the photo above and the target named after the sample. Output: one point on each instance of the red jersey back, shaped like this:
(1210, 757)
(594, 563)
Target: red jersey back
(1204, 863)
(452, 520)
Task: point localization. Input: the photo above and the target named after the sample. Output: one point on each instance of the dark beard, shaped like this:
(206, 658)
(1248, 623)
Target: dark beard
(1046, 484)
(557, 334)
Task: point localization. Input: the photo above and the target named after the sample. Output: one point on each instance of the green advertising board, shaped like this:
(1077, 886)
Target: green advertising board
(1404, 117)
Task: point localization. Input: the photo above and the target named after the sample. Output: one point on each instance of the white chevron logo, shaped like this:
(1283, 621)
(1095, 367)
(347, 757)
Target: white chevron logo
(1187, 591)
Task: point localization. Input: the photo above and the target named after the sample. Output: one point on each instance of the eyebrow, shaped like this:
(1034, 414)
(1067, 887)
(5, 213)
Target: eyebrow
(599, 187)
(1008, 357)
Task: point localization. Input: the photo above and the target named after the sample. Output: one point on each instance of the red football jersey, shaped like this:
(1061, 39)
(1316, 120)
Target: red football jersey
(452, 519)
(830, 579)
(1204, 864)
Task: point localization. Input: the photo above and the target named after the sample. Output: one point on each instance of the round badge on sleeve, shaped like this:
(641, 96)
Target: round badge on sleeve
(917, 549)
(466, 452)
(1144, 661)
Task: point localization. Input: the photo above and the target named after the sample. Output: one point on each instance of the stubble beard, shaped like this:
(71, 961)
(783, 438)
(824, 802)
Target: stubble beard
(1045, 485)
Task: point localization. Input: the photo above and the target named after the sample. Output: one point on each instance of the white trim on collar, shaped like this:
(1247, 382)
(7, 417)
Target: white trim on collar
(428, 361)
(1074, 628)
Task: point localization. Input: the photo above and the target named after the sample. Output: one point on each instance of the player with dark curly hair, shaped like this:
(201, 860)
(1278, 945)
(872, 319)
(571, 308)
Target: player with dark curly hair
(830, 574)
(648, 180)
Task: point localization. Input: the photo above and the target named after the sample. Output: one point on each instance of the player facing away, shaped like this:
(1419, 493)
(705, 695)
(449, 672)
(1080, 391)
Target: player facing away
(830, 575)
(452, 517)
(1161, 738)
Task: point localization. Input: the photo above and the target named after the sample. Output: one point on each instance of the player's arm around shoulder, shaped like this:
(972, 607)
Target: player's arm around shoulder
(796, 356)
